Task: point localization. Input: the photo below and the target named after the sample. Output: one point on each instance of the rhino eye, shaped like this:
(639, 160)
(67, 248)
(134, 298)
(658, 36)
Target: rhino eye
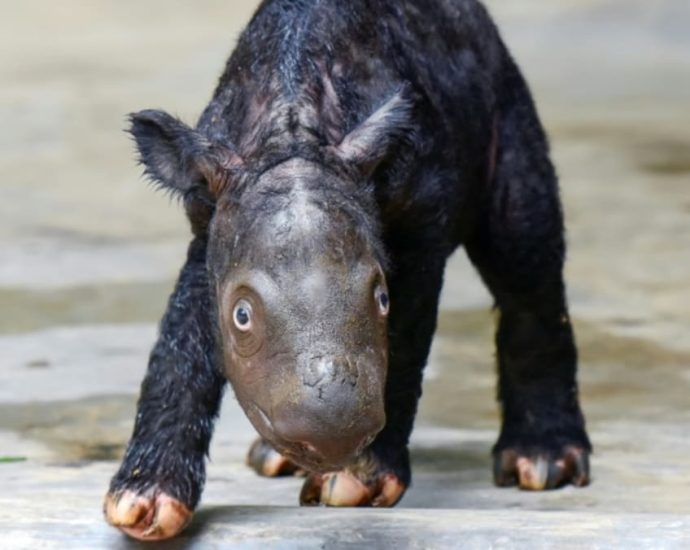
(242, 316)
(383, 300)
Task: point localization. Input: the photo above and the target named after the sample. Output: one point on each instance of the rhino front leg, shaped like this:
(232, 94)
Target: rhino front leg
(158, 485)
(519, 249)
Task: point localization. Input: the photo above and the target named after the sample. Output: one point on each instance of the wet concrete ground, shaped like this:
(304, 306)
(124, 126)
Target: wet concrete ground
(88, 255)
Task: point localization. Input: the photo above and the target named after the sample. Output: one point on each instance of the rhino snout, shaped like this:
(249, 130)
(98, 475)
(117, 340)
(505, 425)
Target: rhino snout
(339, 412)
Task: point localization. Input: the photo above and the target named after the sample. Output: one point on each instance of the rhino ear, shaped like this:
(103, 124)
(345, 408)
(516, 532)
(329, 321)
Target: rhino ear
(178, 158)
(370, 142)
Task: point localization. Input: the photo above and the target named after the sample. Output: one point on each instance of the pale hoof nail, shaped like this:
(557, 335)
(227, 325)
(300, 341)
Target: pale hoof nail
(342, 489)
(268, 462)
(533, 474)
(392, 491)
(154, 518)
(345, 489)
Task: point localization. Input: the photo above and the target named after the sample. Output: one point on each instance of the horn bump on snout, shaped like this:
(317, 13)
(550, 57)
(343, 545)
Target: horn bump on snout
(320, 370)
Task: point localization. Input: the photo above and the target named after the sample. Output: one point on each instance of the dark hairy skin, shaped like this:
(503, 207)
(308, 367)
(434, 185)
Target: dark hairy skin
(349, 149)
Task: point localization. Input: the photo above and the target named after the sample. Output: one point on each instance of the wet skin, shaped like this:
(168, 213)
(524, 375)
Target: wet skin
(327, 183)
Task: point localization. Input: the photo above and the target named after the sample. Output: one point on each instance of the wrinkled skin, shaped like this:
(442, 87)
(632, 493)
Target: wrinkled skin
(349, 149)
(310, 367)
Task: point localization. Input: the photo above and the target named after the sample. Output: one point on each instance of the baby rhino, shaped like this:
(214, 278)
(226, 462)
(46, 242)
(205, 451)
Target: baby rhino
(348, 150)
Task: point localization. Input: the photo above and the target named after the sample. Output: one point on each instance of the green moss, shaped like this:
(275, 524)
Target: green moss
(12, 459)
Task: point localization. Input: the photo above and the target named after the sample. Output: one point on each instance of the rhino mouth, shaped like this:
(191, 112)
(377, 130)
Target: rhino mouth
(302, 454)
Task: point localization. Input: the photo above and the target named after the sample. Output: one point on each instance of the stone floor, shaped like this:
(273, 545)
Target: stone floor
(88, 255)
